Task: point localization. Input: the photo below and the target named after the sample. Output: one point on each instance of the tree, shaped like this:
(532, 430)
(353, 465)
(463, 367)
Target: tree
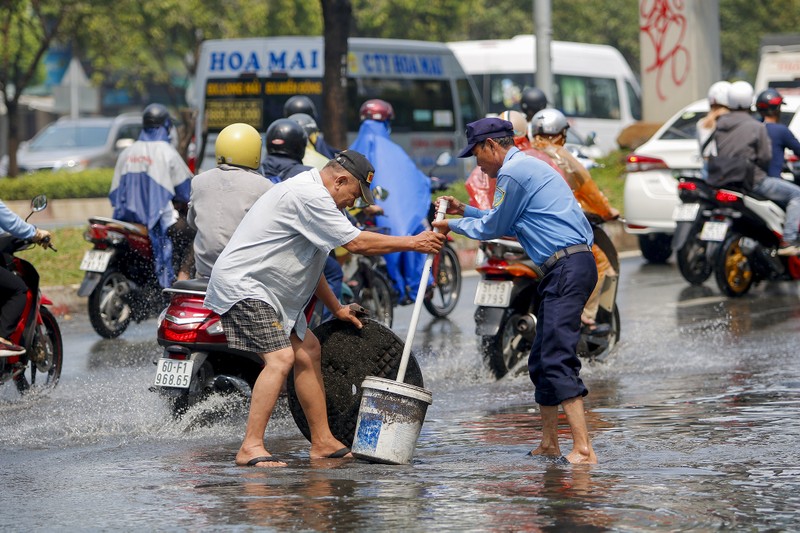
(336, 15)
(28, 28)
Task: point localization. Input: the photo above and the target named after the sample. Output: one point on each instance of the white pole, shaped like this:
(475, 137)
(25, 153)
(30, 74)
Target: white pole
(74, 102)
(423, 285)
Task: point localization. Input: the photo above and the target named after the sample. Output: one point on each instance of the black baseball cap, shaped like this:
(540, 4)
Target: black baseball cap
(361, 169)
(486, 128)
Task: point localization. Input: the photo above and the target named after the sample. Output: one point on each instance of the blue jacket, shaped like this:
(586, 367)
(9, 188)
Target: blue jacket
(781, 138)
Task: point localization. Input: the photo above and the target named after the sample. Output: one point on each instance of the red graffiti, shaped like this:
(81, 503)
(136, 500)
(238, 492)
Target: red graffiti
(664, 23)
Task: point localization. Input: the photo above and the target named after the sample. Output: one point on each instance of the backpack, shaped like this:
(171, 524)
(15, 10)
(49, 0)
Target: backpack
(729, 171)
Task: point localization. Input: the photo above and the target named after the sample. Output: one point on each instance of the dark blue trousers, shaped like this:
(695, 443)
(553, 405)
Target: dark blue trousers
(553, 364)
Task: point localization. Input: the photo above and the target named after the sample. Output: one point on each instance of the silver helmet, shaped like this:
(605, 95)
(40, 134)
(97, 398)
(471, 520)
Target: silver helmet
(548, 122)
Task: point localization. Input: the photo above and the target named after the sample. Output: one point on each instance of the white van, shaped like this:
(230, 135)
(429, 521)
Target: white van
(249, 80)
(779, 67)
(593, 84)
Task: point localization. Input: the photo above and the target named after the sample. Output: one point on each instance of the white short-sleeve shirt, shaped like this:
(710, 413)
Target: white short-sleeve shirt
(278, 252)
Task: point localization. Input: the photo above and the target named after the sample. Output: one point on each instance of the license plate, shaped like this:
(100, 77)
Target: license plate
(494, 293)
(96, 260)
(685, 212)
(173, 373)
(714, 231)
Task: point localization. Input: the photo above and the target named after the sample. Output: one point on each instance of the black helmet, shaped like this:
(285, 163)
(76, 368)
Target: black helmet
(307, 122)
(299, 104)
(286, 137)
(532, 101)
(155, 115)
(769, 100)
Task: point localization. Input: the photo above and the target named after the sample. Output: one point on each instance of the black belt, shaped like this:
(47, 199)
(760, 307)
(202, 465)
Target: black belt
(564, 252)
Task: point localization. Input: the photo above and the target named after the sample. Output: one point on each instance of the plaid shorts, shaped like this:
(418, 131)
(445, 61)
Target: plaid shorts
(253, 326)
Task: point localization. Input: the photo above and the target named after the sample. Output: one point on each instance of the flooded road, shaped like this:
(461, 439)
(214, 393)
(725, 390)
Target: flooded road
(695, 420)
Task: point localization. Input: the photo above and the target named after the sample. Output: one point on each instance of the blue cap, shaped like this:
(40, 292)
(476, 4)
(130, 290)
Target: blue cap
(485, 128)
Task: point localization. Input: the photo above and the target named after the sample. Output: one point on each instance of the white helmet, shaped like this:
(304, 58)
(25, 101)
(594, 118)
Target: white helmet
(548, 122)
(740, 95)
(517, 120)
(718, 93)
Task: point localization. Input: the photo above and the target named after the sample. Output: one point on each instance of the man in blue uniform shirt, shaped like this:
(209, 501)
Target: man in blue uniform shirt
(533, 203)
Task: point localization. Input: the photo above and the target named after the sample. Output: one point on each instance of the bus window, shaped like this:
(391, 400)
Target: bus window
(470, 108)
(581, 96)
(505, 91)
(634, 101)
(419, 105)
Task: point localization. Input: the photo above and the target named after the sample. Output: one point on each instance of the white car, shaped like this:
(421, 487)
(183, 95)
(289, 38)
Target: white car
(651, 182)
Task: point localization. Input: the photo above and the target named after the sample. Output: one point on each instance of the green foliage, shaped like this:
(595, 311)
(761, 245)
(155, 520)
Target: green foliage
(61, 267)
(610, 177)
(92, 183)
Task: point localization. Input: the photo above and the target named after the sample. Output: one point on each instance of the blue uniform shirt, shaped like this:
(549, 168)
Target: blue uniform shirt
(532, 202)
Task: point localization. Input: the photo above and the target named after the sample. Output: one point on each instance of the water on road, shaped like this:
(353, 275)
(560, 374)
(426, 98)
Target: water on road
(695, 420)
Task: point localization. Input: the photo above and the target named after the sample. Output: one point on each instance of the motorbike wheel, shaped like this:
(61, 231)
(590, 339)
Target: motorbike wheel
(377, 297)
(732, 268)
(693, 261)
(656, 247)
(195, 393)
(504, 351)
(45, 356)
(442, 297)
(598, 348)
(109, 312)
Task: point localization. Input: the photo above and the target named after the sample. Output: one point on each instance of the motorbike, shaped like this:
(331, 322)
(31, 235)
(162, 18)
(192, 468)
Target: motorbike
(37, 330)
(197, 360)
(508, 303)
(694, 254)
(120, 278)
(747, 228)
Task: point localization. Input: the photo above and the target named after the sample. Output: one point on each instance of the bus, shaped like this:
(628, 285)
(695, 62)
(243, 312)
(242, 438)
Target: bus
(249, 80)
(593, 85)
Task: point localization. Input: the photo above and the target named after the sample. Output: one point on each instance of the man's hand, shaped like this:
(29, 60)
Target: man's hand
(454, 207)
(442, 226)
(351, 313)
(429, 242)
(42, 237)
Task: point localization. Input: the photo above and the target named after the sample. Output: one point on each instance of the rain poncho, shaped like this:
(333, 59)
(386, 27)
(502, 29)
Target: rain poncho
(150, 174)
(406, 207)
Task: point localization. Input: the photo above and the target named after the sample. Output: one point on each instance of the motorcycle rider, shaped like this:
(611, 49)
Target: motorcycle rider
(738, 134)
(312, 158)
(13, 290)
(532, 101)
(286, 146)
(718, 104)
(768, 105)
(222, 196)
(268, 271)
(303, 104)
(150, 181)
(406, 208)
(534, 203)
(549, 130)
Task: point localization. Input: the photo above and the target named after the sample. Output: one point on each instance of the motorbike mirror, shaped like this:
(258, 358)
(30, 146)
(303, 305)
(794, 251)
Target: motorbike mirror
(380, 193)
(590, 139)
(39, 202)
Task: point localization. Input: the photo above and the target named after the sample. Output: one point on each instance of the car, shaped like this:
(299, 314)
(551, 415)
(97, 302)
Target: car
(652, 170)
(77, 144)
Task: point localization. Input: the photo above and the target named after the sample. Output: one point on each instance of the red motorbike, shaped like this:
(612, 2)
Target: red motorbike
(120, 278)
(37, 330)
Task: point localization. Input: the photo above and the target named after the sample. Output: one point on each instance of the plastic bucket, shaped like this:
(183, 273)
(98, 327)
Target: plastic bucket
(389, 421)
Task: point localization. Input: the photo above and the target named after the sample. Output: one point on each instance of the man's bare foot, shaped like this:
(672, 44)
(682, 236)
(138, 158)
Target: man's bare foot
(576, 457)
(250, 458)
(546, 451)
(330, 450)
